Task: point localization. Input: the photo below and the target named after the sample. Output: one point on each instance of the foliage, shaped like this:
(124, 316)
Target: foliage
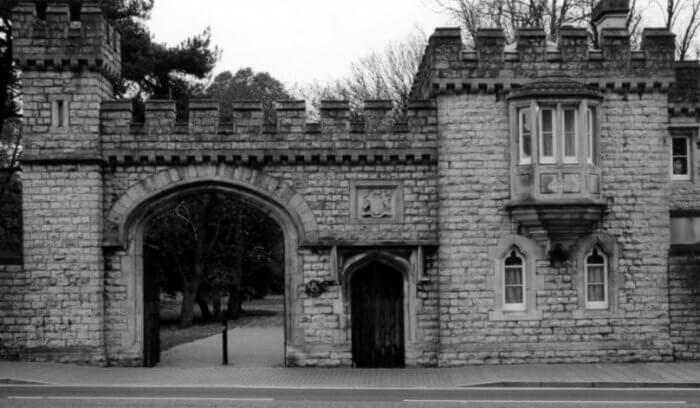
(378, 75)
(213, 245)
(683, 18)
(246, 84)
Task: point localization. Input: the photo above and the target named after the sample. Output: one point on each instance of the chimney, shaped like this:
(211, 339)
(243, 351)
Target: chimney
(610, 15)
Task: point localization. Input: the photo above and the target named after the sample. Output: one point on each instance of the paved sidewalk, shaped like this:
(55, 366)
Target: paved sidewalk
(651, 374)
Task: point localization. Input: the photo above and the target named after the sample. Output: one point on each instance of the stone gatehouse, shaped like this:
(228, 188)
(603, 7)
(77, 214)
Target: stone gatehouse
(539, 203)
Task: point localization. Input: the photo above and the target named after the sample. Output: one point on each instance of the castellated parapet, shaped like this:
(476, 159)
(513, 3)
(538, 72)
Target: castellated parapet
(449, 66)
(59, 42)
(248, 139)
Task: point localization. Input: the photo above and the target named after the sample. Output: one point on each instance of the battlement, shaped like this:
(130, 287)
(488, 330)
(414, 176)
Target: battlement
(336, 138)
(494, 66)
(62, 42)
(248, 118)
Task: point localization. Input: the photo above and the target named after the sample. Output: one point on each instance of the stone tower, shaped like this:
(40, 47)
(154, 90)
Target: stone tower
(68, 63)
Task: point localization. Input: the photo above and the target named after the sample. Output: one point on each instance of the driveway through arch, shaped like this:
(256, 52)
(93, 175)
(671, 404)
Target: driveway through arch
(276, 198)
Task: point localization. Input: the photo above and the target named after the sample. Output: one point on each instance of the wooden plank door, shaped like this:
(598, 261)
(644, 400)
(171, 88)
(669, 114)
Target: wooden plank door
(151, 319)
(377, 317)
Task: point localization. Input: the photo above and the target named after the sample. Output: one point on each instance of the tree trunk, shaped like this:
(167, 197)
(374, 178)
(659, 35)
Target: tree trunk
(216, 303)
(189, 295)
(204, 308)
(233, 310)
(187, 311)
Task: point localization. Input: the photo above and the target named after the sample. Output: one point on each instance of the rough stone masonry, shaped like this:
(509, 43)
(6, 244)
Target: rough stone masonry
(539, 199)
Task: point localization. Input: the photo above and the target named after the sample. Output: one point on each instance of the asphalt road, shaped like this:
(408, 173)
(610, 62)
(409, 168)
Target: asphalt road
(175, 397)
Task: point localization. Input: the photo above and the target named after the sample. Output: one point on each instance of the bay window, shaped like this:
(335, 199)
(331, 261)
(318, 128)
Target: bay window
(562, 137)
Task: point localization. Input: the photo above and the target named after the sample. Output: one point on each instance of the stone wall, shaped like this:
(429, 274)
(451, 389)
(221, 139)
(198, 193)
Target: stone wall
(473, 176)
(63, 264)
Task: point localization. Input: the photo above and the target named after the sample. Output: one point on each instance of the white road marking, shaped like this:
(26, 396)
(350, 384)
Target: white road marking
(90, 398)
(545, 402)
(350, 387)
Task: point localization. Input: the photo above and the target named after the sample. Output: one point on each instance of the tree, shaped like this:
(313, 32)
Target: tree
(378, 75)
(683, 18)
(246, 84)
(204, 248)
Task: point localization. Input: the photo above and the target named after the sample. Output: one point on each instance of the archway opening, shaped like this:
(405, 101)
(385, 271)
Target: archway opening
(377, 313)
(212, 258)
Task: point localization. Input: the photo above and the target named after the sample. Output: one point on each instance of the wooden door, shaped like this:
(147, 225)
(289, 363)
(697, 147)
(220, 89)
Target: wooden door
(377, 317)
(151, 319)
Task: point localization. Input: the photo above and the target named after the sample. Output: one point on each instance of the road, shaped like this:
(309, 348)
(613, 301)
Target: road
(259, 397)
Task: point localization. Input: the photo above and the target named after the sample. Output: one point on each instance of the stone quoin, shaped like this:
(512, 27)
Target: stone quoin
(538, 203)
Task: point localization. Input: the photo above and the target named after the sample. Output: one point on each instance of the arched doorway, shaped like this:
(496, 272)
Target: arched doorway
(377, 317)
(131, 213)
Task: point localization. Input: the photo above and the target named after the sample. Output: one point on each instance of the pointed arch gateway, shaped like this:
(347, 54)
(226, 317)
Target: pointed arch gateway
(128, 216)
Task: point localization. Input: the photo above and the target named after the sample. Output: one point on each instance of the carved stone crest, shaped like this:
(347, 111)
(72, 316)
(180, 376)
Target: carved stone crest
(373, 201)
(376, 203)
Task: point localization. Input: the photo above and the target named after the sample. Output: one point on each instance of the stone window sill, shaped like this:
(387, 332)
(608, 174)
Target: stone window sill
(498, 315)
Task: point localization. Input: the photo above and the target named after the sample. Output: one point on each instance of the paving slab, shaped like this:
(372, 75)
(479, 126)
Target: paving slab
(622, 375)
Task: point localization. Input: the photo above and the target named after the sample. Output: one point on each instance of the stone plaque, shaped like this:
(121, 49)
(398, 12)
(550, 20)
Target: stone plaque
(549, 184)
(572, 183)
(376, 203)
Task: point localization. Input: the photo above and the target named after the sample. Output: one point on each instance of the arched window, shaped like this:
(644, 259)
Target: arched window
(596, 280)
(514, 282)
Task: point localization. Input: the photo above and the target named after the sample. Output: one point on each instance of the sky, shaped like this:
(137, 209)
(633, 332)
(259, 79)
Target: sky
(296, 41)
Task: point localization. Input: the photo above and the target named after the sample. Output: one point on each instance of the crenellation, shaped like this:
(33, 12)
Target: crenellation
(57, 20)
(203, 116)
(490, 44)
(658, 47)
(291, 116)
(160, 117)
(335, 116)
(248, 116)
(377, 116)
(573, 44)
(116, 117)
(531, 44)
(615, 45)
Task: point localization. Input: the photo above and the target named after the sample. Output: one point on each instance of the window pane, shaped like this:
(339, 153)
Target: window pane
(680, 166)
(513, 259)
(592, 153)
(596, 274)
(514, 276)
(596, 293)
(680, 146)
(547, 133)
(514, 294)
(525, 133)
(595, 258)
(569, 133)
(680, 161)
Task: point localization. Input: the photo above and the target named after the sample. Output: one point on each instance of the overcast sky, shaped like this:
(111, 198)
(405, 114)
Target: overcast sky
(294, 40)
